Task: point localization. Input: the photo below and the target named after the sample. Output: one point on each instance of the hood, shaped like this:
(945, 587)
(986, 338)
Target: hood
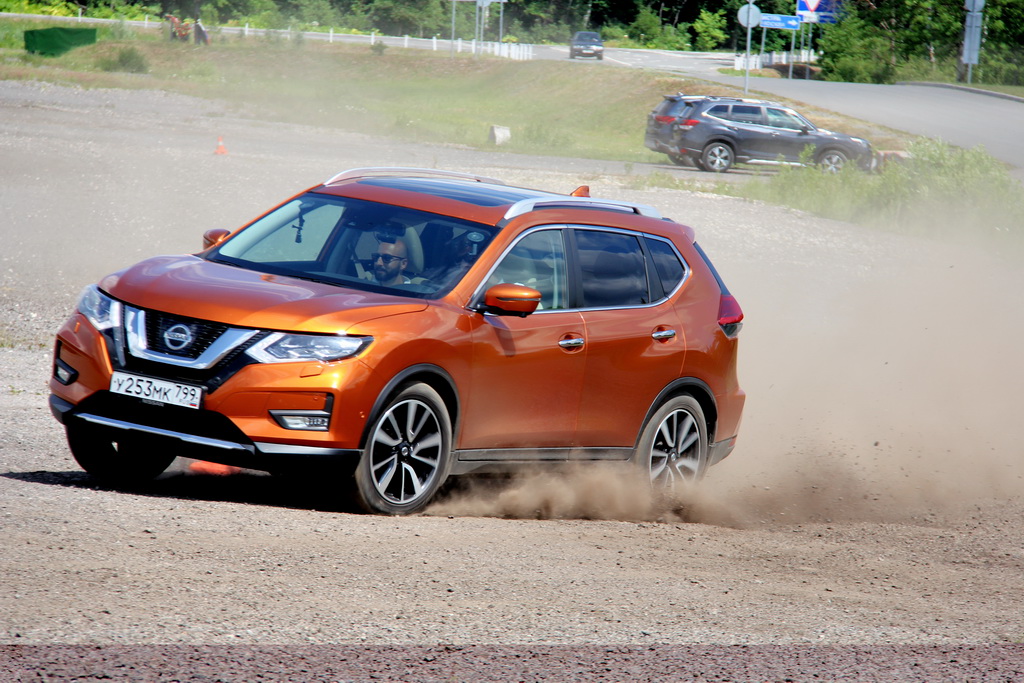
(191, 287)
(842, 136)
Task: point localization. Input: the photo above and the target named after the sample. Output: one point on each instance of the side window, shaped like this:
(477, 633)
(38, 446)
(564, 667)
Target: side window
(783, 119)
(538, 261)
(613, 269)
(669, 268)
(746, 113)
(719, 110)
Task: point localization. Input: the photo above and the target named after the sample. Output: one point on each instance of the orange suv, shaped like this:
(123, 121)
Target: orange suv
(409, 325)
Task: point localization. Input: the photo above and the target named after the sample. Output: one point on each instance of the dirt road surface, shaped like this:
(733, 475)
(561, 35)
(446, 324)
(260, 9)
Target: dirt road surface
(868, 526)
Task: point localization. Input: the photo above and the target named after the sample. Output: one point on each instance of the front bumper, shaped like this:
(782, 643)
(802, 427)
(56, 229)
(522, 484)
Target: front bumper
(210, 437)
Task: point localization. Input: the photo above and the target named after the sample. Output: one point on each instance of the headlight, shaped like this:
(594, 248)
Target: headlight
(102, 311)
(285, 348)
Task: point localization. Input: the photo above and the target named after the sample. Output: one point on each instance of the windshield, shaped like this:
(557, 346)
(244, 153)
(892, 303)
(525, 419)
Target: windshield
(358, 244)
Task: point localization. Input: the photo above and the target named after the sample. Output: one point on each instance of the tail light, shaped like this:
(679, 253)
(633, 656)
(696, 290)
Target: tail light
(688, 124)
(730, 315)
(664, 119)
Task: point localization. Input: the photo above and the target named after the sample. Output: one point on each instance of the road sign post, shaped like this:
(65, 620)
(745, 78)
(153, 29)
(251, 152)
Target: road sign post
(749, 15)
(972, 34)
(785, 22)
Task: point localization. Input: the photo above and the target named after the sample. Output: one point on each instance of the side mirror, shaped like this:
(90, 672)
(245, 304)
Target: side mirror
(510, 299)
(212, 238)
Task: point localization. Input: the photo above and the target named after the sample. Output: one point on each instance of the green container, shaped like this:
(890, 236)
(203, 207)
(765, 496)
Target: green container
(56, 41)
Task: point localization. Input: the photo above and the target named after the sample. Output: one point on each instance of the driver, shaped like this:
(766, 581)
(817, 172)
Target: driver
(389, 262)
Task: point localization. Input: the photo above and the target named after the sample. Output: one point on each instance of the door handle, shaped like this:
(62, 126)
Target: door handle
(573, 343)
(662, 335)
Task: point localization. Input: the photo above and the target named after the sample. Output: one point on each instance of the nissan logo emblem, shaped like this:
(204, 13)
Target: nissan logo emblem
(177, 337)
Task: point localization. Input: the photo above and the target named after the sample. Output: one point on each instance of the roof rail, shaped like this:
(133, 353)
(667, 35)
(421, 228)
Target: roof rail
(537, 203)
(406, 171)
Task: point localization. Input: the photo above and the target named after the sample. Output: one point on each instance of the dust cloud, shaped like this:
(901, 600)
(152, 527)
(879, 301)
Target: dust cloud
(897, 399)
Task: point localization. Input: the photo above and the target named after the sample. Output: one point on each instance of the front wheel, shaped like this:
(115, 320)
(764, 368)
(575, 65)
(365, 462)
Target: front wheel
(717, 157)
(407, 454)
(118, 457)
(673, 449)
(832, 161)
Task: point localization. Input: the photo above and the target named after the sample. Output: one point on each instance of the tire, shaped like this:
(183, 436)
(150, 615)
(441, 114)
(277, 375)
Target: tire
(673, 449)
(118, 457)
(680, 160)
(407, 454)
(832, 161)
(717, 157)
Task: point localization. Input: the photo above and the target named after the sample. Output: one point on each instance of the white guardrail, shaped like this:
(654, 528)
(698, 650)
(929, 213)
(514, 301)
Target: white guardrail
(759, 61)
(515, 51)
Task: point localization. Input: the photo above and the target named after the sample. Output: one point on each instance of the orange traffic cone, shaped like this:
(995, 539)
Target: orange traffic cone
(204, 467)
(221, 149)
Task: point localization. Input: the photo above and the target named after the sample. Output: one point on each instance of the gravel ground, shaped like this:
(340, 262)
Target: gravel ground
(867, 527)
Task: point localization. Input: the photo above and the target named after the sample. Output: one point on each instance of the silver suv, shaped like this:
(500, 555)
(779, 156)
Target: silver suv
(715, 133)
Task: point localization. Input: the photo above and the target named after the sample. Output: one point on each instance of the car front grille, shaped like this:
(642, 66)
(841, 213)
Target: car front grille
(202, 333)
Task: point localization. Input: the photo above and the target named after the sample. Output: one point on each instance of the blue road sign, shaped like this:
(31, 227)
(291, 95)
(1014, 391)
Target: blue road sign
(819, 11)
(780, 21)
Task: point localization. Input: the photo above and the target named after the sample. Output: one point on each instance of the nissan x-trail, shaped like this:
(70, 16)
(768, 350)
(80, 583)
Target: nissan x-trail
(409, 325)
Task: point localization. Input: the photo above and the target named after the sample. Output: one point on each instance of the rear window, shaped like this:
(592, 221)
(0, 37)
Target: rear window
(673, 107)
(669, 268)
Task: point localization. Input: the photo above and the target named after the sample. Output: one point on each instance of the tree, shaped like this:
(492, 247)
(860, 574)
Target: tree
(646, 26)
(710, 29)
(404, 17)
(854, 51)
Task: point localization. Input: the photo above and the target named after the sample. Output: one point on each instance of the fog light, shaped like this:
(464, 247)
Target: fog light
(63, 372)
(305, 420)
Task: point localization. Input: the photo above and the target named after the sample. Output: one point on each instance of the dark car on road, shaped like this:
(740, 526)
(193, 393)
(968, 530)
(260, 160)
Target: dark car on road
(586, 44)
(715, 133)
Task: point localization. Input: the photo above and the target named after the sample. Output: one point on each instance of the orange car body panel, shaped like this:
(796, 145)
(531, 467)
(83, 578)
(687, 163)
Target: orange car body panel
(518, 383)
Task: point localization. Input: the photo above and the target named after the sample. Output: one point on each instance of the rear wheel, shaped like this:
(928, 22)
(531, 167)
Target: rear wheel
(407, 454)
(673, 450)
(681, 160)
(116, 456)
(717, 157)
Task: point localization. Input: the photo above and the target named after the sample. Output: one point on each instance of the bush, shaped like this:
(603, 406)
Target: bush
(128, 60)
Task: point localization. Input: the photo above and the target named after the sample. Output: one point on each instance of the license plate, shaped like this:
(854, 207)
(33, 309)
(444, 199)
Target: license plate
(159, 390)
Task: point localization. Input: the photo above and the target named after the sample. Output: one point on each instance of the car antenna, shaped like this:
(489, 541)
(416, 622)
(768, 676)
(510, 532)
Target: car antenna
(581, 191)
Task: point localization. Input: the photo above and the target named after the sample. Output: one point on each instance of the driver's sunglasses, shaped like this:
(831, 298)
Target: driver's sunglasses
(386, 258)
